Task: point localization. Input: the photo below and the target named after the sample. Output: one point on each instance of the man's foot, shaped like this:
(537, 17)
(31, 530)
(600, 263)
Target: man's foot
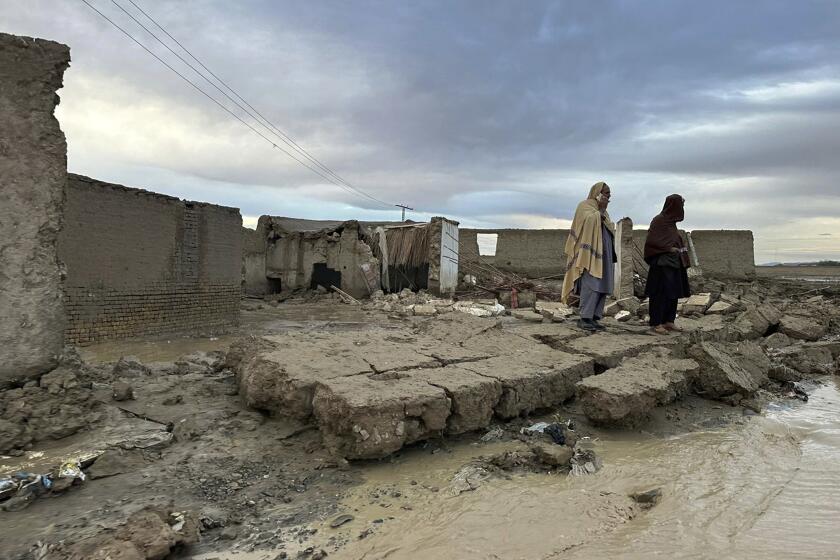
(672, 327)
(598, 325)
(587, 325)
(659, 330)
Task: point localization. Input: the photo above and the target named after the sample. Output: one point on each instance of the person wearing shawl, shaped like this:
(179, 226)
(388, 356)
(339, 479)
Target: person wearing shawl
(590, 257)
(667, 257)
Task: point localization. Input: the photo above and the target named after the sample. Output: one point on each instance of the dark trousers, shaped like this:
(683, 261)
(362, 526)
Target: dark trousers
(662, 310)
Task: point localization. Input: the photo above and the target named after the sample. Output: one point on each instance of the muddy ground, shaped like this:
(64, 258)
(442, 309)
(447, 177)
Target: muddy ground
(228, 481)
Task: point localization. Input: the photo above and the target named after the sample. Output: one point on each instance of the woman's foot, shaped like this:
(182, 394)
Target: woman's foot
(659, 330)
(672, 327)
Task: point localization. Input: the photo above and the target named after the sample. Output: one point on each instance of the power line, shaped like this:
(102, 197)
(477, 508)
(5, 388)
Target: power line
(268, 124)
(222, 106)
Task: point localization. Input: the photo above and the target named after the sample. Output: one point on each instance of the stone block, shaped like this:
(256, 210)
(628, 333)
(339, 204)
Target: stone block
(720, 308)
(609, 349)
(802, 328)
(535, 381)
(624, 396)
(474, 397)
(425, 310)
(756, 321)
(364, 418)
(698, 303)
(729, 368)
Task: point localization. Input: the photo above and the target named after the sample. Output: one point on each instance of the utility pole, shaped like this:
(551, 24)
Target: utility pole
(404, 208)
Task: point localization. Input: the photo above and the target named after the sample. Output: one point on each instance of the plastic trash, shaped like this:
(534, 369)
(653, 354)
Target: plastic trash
(71, 469)
(537, 428)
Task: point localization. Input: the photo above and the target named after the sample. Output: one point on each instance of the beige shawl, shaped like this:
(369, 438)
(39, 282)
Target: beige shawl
(585, 244)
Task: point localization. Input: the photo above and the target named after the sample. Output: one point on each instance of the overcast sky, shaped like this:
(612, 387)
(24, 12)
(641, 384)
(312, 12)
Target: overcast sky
(499, 114)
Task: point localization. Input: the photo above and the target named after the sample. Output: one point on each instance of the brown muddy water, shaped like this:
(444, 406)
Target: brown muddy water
(767, 487)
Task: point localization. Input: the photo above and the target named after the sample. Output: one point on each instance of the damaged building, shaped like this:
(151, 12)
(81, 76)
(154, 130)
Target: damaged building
(286, 254)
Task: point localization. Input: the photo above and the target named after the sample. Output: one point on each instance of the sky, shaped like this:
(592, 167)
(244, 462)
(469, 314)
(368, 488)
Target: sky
(494, 113)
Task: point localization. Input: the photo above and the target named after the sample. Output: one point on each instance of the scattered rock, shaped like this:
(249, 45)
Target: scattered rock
(728, 368)
(697, 304)
(802, 328)
(115, 461)
(721, 308)
(776, 340)
(129, 366)
(552, 455)
(425, 310)
(341, 520)
(467, 479)
(648, 498)
(123, 391)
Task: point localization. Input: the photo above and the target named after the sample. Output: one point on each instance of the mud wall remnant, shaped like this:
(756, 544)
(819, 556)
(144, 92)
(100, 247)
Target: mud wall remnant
(539, 252)
(254, 281)
(33, 167)
(293, 250)
(142, 263)
(531, 252)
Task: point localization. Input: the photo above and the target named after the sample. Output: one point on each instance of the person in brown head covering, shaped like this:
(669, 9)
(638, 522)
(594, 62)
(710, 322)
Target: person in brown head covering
(667, 257)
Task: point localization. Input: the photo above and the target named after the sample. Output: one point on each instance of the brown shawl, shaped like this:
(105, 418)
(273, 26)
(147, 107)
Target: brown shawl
(585, 244)
(663, 234)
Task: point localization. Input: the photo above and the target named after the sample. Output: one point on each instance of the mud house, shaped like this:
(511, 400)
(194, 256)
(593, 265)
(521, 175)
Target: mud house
(285, 254)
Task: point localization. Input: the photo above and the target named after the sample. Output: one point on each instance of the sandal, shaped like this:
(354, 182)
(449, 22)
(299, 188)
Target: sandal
(672, 327)
(659, 330)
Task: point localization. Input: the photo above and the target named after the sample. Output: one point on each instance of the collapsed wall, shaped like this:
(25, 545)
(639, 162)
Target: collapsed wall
(141, 263)
(33, 165)
(538, 253)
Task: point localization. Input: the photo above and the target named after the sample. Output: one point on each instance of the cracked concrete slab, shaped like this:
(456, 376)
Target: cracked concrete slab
(609, 349)
(533, 382)
(474, 397)
(625, 395)
(364, 418)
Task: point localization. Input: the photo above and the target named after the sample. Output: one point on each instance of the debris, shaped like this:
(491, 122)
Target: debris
(345, 297)
(341, 520)
(479, 310)
(494, 434)
(551, 455)
(424, 310)
(123, 391)
(803, 328)
(527, 315)
(720, 308)
(468, 479)
(698, 303)
(797, 391)
(648, 498)
(537, 428)
(71, 469)
(585, 462)
(623, 316)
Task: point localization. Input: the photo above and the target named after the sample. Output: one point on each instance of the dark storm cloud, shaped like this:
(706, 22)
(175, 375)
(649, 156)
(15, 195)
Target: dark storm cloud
(481, 109)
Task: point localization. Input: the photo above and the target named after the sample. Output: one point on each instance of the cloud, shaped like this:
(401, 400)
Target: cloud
(499, 115)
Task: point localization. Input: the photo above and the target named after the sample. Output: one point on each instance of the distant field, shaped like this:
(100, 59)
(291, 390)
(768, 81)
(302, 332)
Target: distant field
(813, 272)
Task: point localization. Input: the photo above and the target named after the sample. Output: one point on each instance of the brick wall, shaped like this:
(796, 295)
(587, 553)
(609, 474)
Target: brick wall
(140, 263)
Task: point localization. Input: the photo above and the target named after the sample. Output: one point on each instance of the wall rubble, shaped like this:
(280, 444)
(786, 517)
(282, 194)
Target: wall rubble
(33, 165)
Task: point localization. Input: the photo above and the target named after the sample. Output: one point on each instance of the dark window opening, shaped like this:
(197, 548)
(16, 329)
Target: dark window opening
(411, 277)
(274, 285)
(324, 276)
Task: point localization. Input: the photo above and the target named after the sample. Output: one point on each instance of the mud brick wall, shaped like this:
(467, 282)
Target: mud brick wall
(254, 281)
(33, 171)
(539, 252)
(531, 252)
(141, 263)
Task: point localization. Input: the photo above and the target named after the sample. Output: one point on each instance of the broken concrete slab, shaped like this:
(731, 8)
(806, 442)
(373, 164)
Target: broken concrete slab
(527, 315)
(553, 309)
(802, 328)
(364, 418)
(535, 381)
(498, 342)
(698, 303)
(455, 327)
(625, 395)
(776, 340)
(756, 321)
(552, 334)
(609, 349)
(720, 308)
(474, 397)
(729, 368)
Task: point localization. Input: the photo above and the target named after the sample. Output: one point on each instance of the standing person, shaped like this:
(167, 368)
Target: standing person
(667, 257)
(591, 258)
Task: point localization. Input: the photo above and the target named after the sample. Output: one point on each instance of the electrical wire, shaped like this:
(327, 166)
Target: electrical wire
(223, 107)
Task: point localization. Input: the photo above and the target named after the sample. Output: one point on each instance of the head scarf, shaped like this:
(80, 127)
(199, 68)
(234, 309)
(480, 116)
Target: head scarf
(663, 234)
(585, 244)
